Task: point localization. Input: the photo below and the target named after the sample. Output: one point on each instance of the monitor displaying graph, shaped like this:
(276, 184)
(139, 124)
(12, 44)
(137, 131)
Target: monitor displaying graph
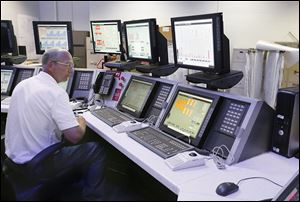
(199, 43)
(187, 114)
(53, 37)
(194, 41)
(106, 36)
(52, 34)
(141, 41)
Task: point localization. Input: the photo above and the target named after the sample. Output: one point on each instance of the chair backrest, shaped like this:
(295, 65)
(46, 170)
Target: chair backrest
(25, 185)
(43, 155)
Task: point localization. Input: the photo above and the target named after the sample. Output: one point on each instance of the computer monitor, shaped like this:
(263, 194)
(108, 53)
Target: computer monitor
(8, 38)
(188, 114)
(136, 96)
(52, 34)
(107, 37)
(141, 42)
(199, 43)
(7, 77)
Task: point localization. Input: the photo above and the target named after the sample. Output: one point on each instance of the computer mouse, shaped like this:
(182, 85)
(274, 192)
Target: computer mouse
(226, 188)
(192, 154)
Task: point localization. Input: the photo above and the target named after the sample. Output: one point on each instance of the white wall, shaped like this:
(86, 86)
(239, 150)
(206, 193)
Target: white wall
(161, 10)
(244, 22)
(10, 10)
(247, 22)
(75, 11)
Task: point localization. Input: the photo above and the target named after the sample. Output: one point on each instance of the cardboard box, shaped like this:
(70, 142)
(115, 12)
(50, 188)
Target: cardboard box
(166, 31)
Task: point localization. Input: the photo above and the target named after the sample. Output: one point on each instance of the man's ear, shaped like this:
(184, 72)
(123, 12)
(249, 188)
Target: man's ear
(50, 67)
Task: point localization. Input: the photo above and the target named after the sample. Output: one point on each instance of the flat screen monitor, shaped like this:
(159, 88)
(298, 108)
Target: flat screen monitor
(136, 96)
(8, 38)
(199, 43)
(141, 42)
(52, 34)
(7, 77)
(188, 115)
(107, 37)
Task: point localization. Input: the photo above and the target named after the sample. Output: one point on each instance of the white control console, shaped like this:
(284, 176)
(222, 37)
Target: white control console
(185, 160)
(129, 126)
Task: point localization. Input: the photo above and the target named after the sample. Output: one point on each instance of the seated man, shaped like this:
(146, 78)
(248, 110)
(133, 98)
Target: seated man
(39, 114)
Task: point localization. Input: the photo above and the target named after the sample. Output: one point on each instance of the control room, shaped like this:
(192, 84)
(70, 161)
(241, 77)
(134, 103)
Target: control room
(150, 100)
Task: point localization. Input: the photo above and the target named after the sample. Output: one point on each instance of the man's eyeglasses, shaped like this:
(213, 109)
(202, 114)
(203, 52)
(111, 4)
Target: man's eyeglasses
(70, 65)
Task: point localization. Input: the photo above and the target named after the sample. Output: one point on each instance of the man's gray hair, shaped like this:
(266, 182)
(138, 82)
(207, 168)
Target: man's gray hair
(51, 55)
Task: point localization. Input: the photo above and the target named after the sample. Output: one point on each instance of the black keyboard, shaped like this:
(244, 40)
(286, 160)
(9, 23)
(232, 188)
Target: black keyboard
(160, 143)
(110, 116)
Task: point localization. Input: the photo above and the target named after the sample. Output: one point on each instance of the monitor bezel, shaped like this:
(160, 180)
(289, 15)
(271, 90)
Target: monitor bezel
(146, 101)
(10, 85)
(153, 39)
(218, 34)
(12, 38)
(119, 24)
(193, 141)
(37, 38)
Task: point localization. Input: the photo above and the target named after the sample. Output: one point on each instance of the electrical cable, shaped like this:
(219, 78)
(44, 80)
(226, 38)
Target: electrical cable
(249, 178)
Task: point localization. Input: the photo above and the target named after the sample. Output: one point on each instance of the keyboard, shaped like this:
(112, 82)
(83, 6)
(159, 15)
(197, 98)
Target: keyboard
(159, 142)
(110, 116)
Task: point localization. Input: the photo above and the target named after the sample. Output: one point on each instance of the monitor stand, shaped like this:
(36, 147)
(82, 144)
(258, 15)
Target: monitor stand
(157, 70)
(122, 65)
(13, 59)
(216, 81)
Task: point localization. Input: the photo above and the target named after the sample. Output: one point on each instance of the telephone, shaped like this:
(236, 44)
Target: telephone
(185, 160)
(104, 83)
(80, 83)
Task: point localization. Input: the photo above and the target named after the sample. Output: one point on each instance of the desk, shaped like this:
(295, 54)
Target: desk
(269, 165)
(145, 158)
(200, 183)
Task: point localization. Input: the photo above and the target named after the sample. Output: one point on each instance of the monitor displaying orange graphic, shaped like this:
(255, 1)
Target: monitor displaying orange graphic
(187, 114)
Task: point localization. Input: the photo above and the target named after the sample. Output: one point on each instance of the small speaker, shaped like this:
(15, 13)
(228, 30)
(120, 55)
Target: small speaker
(285, 140)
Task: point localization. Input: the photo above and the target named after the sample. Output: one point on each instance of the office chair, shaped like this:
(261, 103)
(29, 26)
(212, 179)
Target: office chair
(25, 186)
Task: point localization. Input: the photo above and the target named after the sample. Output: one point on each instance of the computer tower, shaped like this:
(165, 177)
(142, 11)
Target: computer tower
(285, 140)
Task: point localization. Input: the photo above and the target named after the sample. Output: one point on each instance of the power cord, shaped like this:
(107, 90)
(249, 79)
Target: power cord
(101, 101)
(218, 154)
(150, 120)
(249, 178)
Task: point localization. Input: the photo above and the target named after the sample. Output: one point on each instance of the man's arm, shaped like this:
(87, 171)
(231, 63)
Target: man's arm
(75, 134)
